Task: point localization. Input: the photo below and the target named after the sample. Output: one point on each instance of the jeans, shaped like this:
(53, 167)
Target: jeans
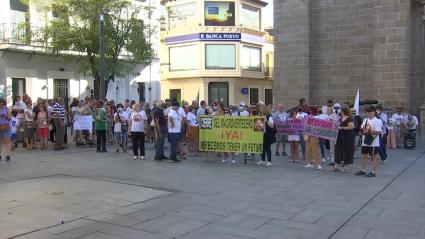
(382, 150)
(322, 143)
(138, 143)
(174, 140)
(267, 149)
(159, 147)
(302, 143)
(101, 140)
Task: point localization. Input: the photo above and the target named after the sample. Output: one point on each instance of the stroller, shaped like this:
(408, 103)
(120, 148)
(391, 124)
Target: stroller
(410, 139)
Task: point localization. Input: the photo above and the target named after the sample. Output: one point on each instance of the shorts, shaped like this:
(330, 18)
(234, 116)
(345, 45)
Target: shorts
(369, 150)
(281, 138)
(5, 134)
(29, 133)
(13, 136)
(43, 132)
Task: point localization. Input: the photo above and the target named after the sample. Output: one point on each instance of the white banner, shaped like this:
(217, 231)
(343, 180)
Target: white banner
(83, 122)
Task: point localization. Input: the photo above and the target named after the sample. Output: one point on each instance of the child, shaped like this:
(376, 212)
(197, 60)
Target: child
(294, 141)
(42, 119)
(14, 126)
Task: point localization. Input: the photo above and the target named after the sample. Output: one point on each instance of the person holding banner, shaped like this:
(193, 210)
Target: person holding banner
(344, 147)
(280, 114)
(312, 146)
(294, 141)
(371, 129)
(269, 136)
(301, 115)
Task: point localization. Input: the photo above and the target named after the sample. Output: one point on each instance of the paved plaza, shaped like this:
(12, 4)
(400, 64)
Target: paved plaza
(78, 193)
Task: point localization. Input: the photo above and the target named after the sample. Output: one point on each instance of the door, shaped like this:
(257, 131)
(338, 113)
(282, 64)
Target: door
(218, 92)
(176, 94)
(268, 96)
(18, 87)
(61, 89)
(253, 95)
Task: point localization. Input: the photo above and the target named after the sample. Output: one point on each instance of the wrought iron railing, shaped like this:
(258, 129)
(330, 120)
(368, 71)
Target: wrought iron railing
(20, 33)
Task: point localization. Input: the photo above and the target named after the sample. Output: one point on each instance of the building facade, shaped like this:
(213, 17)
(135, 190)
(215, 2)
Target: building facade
(330, 48)
(27, 68)
(216, 51)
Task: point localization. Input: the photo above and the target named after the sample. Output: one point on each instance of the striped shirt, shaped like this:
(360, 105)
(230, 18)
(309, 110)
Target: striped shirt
(57, 108)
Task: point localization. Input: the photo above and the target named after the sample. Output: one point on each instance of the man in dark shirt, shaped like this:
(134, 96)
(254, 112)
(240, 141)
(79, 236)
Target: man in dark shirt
(160, 129)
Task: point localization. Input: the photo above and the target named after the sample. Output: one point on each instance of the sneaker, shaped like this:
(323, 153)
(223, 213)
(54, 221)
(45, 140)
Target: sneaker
(7, 158)
(142, 157)
(135, 157)
(328, 158)
(284, 154)
(385, 161)
(277, 154)
(359, 173)
(223, 161)
(331, 164)
(233, 161)
(323, 160)
(371, 174)
(261, 162)
(308, 166)
(319, 167)
(117, 151)
(268, 164)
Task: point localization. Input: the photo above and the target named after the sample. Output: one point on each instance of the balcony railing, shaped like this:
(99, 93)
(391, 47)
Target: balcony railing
(268, 71)
(19, 33)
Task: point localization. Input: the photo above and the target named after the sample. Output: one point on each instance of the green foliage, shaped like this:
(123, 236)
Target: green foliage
(73, 34)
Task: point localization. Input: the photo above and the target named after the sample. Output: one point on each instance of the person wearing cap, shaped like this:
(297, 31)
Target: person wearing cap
(281, 115)
(382, 151)
(174, 130)
(371, 128)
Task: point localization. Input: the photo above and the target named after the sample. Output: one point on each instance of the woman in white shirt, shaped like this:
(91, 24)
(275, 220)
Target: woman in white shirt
(192, 130)
(136, 129)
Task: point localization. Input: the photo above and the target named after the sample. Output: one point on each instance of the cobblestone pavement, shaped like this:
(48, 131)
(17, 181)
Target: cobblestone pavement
(78, 193)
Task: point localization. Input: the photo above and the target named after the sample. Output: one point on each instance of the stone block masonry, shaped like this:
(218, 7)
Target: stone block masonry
(329, 48)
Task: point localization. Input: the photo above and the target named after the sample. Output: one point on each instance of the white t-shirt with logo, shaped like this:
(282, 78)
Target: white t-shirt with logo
(177, 122)
(376, 125)
(138, 121)
(191, 119)
(13, 124)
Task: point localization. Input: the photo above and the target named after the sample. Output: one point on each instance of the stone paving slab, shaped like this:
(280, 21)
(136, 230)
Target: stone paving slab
(112, 196)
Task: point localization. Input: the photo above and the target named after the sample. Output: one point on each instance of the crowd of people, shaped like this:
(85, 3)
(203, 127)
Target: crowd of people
(33, 126)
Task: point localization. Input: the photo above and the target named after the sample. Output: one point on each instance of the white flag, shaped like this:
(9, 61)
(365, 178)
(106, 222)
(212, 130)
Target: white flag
(357, 103)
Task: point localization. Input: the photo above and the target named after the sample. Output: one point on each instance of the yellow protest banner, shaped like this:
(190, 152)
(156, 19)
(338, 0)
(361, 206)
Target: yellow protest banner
(231, 134)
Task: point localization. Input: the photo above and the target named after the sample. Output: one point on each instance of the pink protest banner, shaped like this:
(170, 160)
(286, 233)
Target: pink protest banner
(324, 129)
(289, 127)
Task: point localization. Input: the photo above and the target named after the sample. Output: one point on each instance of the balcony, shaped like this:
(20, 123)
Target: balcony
(268, 72)
(19, 33)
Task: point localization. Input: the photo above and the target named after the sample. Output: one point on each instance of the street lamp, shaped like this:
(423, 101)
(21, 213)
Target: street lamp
(102, 57)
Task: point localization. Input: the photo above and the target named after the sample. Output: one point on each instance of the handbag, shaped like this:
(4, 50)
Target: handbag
(368, 139)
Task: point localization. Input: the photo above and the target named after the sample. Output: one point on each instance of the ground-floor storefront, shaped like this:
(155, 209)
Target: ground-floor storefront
(229, 91)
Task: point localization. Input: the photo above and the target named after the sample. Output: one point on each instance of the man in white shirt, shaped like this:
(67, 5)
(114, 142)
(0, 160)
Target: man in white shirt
(281, 139)
(174, 130)
(370, 130)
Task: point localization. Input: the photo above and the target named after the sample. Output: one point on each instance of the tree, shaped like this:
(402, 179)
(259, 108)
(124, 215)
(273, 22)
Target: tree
(72, 34)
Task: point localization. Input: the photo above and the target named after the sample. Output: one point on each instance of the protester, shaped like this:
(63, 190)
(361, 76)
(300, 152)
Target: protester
(192, 130)
(160, 130)
(269, 136)
(4, 131)
(182, 140)
(110, 113)
(202, 110)
(323, 142)
(101, 127)
(58, 115)
(344, 147)
(121, 129)
(281, 139)
(382, 150)
(312, 146)
(371, 129)
(334, 115)
(294, 140)
(42, 119)
(174, 130)
(301, 115)
(391, 135)
(29, 125)
(50, 104)
(14, 126)
(137, 122)
(19, 106)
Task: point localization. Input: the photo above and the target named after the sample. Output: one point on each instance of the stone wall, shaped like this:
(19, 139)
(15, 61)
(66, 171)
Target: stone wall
(329, 48)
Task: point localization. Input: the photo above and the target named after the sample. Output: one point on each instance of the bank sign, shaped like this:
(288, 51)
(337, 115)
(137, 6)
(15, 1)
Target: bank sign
(220, 36)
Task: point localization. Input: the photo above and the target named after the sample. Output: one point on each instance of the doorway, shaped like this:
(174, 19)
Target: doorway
(218, 92)
(61, 89)
(18, 87)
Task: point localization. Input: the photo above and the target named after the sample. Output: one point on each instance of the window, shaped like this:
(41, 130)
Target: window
(176, 94)
(17, 5)
(179, 15)
(218, 92)
(61, 89)
(268, 96)
(253, 95)
(220, 57)
(18, 87)
(219, 13)
(251, 58)
(183, 58)
(251, 17)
